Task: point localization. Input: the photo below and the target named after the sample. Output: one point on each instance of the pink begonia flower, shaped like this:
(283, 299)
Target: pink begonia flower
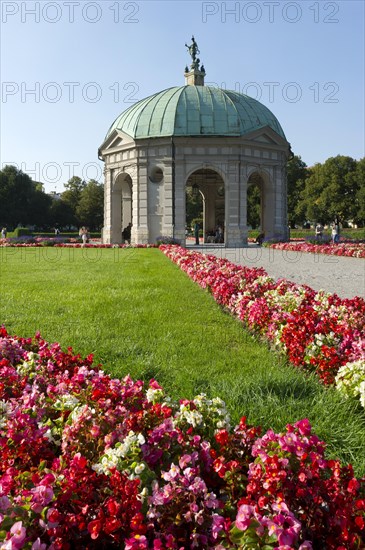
(4, 503)
(244, 516)
(18, 536)
(217, 525)
(307, 545)
(280, 506)
(172, 473)
(184, 460)
(42, 495)
(38, 545)
(154, 384)
(138, 542)
(304, 426)
(286, 528)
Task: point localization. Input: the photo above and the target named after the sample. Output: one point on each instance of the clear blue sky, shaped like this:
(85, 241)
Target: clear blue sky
(69, 68)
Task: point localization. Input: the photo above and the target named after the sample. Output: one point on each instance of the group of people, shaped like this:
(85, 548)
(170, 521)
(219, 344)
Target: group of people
(260, 238)
(335, 232)
(215, 236)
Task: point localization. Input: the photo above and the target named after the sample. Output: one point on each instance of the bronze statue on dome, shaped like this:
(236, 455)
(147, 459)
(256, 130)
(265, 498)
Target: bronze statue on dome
(194, 51)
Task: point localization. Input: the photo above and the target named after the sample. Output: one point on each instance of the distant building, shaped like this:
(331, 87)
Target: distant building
(218, 142)
(56, 196)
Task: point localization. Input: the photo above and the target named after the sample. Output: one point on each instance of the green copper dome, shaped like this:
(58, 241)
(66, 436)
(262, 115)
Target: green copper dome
(195, 111)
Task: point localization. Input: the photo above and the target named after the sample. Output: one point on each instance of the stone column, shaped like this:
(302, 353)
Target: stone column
(243, 204)
(168, 201)
(180, 203)
(233, 233)
(108, 193)
(140, 205)
(280, 221)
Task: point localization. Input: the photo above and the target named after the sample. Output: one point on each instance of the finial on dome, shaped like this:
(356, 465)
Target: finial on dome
(194, 77)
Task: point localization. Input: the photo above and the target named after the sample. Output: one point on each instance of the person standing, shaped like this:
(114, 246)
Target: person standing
(334, 233)
(196, 232)
(84, 236)
(337, 225)
(4, 232)
(260, 238)
(319, 231)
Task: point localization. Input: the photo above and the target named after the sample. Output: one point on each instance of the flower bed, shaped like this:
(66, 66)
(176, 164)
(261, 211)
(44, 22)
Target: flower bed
(353, 250)
(93, 462)
(64, 243)
(317, 331)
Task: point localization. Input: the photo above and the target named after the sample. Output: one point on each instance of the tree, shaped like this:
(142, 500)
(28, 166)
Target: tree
(297, 172)
(194, 206)
(90, 208)
(16, 196)
(61, 214)
(359, 203)
(330, 190)
(72, 195)
(254, 206)
(39, 209)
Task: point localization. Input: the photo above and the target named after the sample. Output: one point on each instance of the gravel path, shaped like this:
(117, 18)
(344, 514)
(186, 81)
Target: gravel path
(344, 276)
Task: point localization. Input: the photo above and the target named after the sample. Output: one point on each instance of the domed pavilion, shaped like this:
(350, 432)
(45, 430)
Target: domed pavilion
(219, 142)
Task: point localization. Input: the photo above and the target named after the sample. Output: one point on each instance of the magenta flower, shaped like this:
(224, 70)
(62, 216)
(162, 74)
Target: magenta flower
(18, 536)
(138, 542)
(41, 496)
(244, 515)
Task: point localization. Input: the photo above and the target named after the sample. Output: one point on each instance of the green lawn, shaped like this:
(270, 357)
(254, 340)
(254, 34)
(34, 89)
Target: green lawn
(139, 314)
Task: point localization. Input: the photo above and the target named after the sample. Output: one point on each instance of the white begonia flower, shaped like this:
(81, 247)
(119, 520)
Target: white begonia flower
(113, 455)
(362, 393)
(195, 418)
(77, 412)
(153, 395)
(4, 410)
(139, 468)
(141, 440)
(143, 494)
(66, 401)
(350, 380)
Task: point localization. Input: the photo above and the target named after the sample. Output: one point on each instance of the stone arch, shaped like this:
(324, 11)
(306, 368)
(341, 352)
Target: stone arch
(207, 166)
(209, 181)
(122, 211)
(261, 179)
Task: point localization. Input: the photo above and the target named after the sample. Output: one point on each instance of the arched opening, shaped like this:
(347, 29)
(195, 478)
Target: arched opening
(261, 204)
(254, 202)
(205, 202)
(122, 208)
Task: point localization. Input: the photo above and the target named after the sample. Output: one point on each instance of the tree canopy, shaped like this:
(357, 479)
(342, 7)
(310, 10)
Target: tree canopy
(23, 202)
(332, 190)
